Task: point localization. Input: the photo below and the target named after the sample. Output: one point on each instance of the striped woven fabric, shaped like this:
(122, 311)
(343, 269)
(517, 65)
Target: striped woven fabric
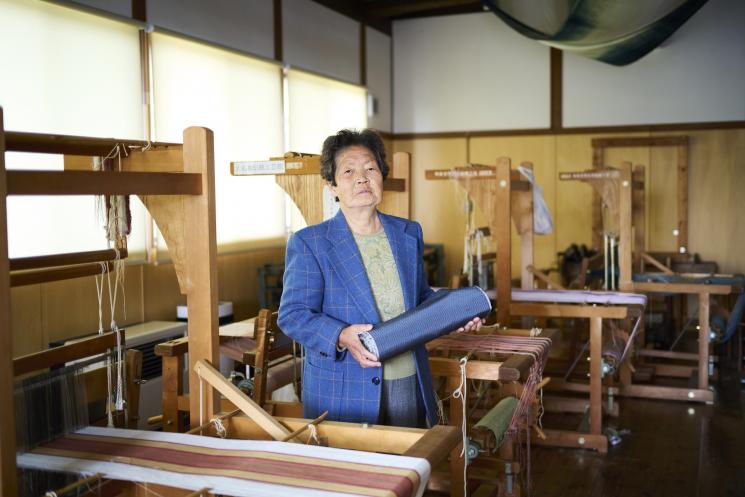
(230, 467)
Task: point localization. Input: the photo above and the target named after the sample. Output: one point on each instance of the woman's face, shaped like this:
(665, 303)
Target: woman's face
(359, 182)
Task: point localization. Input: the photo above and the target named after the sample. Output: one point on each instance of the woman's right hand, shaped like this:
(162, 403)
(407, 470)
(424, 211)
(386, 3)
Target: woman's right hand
(348, 339)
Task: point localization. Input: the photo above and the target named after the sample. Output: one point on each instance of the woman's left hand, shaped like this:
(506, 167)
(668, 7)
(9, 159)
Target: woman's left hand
(472, 325)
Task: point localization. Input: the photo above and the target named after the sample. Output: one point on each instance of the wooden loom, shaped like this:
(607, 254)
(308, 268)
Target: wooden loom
(503, 201)
(300, 177)
(183, 206)
(631, 251)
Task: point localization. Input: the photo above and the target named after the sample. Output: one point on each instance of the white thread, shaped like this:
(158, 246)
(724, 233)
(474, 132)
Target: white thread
(147, 489)
(50, 494)
(461, 393)
(313, 435)
(219, 427)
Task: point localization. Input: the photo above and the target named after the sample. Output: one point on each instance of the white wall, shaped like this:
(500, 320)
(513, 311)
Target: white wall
(247, 25)
(320, 40)
(467, 72)
(697, 75)
(379, 77)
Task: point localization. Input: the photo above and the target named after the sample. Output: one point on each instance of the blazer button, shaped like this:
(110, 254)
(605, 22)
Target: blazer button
(324, 354)
(376, 380)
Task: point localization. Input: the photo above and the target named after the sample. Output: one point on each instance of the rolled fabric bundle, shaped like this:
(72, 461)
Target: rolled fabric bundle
(445, 311)
(498, 419)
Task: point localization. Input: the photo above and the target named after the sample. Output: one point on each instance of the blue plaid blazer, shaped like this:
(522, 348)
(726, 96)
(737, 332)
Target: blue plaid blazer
(325, 290)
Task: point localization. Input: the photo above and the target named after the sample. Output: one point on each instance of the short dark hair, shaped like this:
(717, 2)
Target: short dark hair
(345, 138)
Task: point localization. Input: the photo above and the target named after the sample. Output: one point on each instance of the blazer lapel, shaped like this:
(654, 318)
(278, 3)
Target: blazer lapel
(404, 251)
(346, 260)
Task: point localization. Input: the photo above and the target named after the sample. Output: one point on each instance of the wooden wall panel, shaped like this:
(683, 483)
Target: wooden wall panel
(25, 320)
(573, 216)
(238, 280)
(541, 151)
(716, 186)
(435, 204)
(70, 308)
(661, 197)
(717, 197)
(161, 292)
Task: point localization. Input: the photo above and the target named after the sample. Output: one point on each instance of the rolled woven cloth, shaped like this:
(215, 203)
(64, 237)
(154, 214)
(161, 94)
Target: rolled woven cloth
(445, 311)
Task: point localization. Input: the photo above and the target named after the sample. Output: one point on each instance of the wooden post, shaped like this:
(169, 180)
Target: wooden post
(683, 197)
(638, 217)
(173, 388)
(398, 203)
(456, 460)
(596, 393)
(597, 216)
(201, 265)
(624, 224)
(8, 484)
(526, 231)
(503, 267)
(703, 341)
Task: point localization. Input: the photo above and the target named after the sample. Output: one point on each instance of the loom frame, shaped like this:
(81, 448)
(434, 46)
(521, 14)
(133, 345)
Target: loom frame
(183, 205)
(630, 211)
(508, 190)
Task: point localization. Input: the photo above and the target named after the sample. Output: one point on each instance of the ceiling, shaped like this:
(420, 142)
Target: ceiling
(380, 13)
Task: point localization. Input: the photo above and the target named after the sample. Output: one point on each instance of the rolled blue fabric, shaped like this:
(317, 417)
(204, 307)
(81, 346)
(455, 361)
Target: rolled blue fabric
(445, 311)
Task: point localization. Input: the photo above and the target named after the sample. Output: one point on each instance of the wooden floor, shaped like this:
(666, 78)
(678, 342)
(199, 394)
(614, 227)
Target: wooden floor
(674, 450)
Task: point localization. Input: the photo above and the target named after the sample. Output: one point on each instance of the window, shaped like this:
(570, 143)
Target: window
(319, 107)
(240, 99)
(72, 73)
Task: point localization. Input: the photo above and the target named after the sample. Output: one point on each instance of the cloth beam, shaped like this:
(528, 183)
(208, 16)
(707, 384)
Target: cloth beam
(577, 297)
(231, 467)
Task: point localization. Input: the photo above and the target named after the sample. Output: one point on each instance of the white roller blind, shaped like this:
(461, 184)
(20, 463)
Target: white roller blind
(72, 73)
(239, 98)
(320, 107)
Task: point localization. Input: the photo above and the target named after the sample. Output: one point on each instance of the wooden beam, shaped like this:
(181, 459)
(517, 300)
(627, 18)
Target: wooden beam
(8, 482)
(569, 310)
(503, 267)
(58, 274)
(208, 373)
(393, 10)
(668, 354)
(625, 245)
(682, 239)
(73, 145)
(431, 445)
(198, 259)
(139, 10)
(278, 50)
(101, 183)
(648, 258)
(557, 93)
(475, 370)
(640, 141)
(596, 375)
(363, 54)
(43, 261)
(691, 288)
(59, 355)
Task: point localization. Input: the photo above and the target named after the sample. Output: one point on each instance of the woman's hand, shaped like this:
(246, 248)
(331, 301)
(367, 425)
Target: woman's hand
(348, 339)
(472, 325)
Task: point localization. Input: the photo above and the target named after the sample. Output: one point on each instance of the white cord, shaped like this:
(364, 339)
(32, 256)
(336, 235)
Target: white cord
(313, 434)
(219, 427)
(461, 393)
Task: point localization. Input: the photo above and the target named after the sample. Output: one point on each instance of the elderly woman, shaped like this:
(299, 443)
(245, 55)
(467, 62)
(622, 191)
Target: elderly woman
(343, 275)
